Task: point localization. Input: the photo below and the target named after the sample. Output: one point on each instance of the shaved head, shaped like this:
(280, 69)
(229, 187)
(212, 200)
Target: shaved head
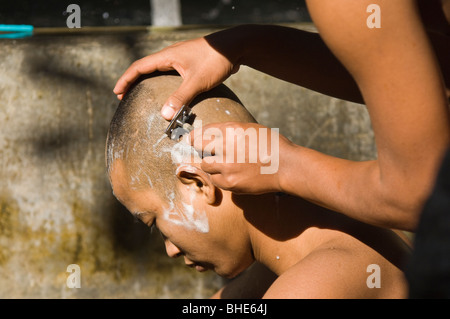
(136, 135)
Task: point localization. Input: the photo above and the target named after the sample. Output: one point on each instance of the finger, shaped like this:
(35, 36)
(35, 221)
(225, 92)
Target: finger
(220, 181)
(207, 131)
(187, 91)
(142, 66)
(207, 140)
(128, 77)
(210, 165)
(195, 138)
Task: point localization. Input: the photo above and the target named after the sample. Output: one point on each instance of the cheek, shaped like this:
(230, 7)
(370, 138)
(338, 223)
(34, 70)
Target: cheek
(232, 247)
(228, 257)
(186, 239)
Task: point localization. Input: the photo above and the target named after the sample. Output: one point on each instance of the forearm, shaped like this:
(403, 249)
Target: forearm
(302, 57)
(401, 81)
(368, 191)
(293, 55)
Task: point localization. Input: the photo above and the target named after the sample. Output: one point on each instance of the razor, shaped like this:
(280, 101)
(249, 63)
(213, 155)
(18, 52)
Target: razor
(179, 125)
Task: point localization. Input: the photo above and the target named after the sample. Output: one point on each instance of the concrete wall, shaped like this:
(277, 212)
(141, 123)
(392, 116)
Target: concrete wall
(56, 205)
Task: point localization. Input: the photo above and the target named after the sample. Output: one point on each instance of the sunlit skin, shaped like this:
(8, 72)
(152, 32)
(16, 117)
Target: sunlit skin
(400, 71)
(200, 250)
(295, 240)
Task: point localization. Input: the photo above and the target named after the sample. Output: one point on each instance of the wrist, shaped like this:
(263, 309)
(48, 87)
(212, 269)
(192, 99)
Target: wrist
(289, 174)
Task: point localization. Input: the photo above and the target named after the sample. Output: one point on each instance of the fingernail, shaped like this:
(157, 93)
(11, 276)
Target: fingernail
(167, 112)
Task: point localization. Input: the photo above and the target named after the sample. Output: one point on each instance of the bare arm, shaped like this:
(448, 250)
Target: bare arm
(399, 77)
(293, 55)
(289, 54)
(401, 83)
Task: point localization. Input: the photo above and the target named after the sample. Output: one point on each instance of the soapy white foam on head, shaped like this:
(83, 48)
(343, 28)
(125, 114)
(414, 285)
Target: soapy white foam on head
(150, 120)
(187, 216)
(149, 180)
(184, 214)
(183, 152)
(187, 168)
(118, 154)
(159, 141)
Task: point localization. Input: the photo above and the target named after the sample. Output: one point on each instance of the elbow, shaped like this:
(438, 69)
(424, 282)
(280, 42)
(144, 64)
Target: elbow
(407, 212)
(405, 206)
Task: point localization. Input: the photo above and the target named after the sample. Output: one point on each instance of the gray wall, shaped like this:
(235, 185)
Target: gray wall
(56, 205)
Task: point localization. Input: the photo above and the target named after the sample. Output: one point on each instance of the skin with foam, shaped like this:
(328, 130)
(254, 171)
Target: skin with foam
(312, 252)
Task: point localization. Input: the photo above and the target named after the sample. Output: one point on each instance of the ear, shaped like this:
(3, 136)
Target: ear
(201, 181)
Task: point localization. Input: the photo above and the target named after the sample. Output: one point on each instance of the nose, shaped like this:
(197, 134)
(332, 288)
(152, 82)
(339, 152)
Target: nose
(172, 250)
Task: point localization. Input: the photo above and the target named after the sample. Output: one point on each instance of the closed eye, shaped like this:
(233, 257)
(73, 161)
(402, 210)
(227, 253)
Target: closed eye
(141, 217)
(137, 218)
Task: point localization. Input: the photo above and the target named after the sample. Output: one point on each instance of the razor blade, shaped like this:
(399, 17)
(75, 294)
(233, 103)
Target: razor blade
(179, 125)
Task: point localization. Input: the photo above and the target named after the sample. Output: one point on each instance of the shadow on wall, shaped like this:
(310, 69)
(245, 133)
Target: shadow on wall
(75, 131)
(57, 207)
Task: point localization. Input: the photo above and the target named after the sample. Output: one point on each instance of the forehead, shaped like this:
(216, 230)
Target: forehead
(135, 200)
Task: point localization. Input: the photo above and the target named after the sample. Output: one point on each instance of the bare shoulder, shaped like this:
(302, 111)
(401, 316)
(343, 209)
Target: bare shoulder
(343, 271)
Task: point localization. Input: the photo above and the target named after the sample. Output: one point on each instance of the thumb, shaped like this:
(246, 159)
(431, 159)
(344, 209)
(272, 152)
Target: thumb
(183, 96)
